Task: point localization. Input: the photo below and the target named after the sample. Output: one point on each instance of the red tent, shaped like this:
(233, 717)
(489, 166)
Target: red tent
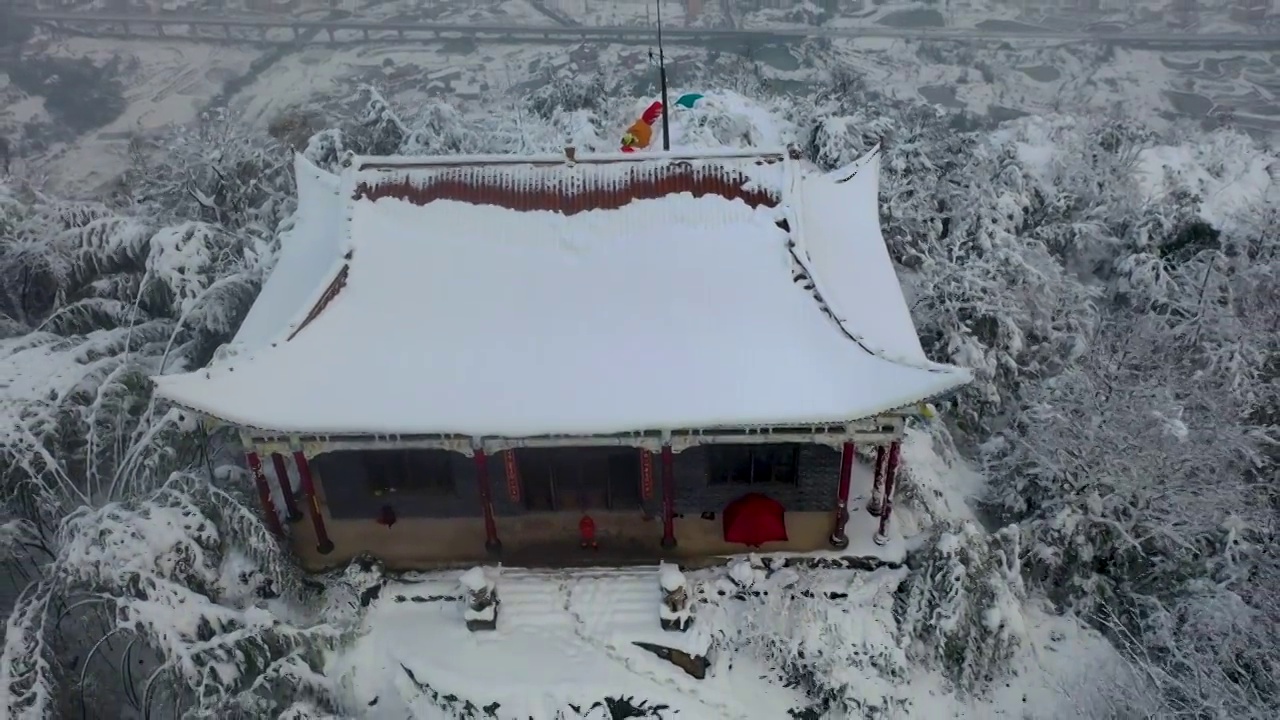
(754, 520)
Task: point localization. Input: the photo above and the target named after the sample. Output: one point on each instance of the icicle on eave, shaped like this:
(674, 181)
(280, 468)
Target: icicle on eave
(613, 192)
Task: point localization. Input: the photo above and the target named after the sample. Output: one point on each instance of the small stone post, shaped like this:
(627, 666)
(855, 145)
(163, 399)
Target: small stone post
(676, 614)
(482, 600)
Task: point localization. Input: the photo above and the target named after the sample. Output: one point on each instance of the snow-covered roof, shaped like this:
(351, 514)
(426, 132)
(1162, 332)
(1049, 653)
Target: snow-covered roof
(840, 235)
(308, 251)
(518, 297)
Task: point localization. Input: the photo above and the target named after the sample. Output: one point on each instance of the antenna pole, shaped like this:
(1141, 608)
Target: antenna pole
(662, 81)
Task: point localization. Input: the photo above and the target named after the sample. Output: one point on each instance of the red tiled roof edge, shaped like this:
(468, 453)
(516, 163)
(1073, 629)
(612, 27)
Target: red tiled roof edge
(335, 286)
(470, 185)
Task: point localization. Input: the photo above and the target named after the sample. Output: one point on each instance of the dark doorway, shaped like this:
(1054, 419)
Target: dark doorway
(359, 484)
(568, 479)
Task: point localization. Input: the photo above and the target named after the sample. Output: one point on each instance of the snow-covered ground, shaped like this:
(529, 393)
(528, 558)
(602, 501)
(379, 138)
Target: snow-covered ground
(1034, 79)
(165, 85)
(418, 71)
(626, 12)
(567, 639)
(167, 82)
(16, 107)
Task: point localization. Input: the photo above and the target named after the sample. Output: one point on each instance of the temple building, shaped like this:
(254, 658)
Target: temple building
(555, 359)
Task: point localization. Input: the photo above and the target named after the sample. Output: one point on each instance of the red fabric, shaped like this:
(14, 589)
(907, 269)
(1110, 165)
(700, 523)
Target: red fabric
(754, 520)
(652, 113)
(387, 516)
(587, 529)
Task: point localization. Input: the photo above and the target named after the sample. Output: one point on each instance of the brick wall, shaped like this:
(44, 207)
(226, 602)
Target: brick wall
(819, 475)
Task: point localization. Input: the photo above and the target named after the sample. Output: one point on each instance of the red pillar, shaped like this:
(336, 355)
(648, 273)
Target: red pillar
(491, 541)
(877, 485)
(839, 540)
(890, 481)
(323, 544)
(286, 488)
(264, 494)
(668, 498)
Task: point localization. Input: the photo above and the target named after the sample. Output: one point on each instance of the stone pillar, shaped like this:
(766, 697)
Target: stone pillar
(848, 456)
(668, 497)
(890, 481)
(483, 484)
(324, 545)
(264, 494)
(877, 484)
(286, 488)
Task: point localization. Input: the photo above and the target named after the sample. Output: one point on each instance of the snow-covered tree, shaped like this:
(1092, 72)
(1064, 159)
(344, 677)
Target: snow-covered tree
(216, 171)
(131, 527)
(961, 606)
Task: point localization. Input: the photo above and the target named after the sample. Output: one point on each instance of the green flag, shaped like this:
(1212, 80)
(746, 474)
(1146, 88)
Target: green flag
(688, 100)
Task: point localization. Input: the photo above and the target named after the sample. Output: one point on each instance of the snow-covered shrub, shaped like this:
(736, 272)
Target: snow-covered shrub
(615, 707)
(303, 710)
(217, 172)
(1151, 469)
(348, 593)
(382, 129)
(843, 654)
(837, 140)
(934, 481)
(570, 93)
(727, 119)
(961, 605)
(326, 149)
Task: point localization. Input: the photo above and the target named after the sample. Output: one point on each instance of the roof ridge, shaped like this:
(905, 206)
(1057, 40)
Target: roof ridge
(850, 170)
(568, 157)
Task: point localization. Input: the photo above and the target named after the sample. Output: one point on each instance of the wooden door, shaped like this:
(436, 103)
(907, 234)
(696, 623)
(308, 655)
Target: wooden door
(580, 479)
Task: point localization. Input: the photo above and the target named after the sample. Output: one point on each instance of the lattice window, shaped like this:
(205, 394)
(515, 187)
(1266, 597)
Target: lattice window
(766, 464)
(420, 472)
